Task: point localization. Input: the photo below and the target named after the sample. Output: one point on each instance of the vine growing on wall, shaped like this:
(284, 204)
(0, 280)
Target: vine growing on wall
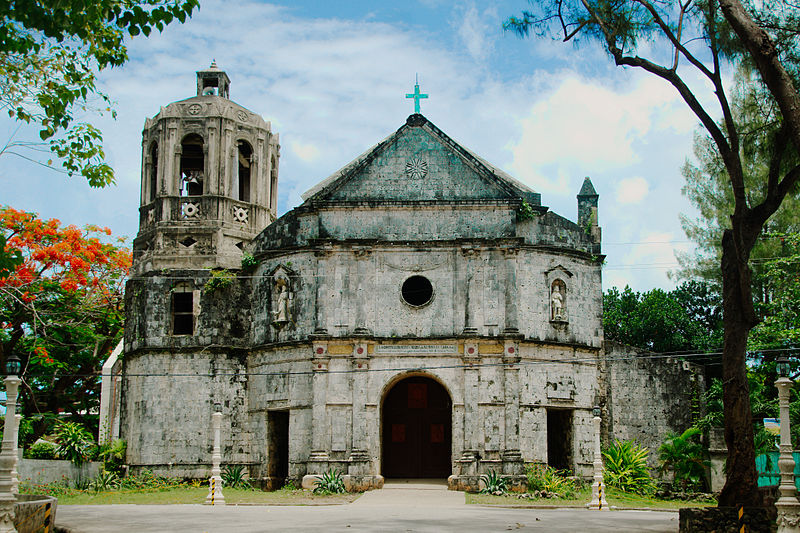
(220, 279)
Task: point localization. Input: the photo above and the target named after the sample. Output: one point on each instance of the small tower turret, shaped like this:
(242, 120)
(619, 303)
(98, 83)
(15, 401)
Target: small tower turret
(587, 210)
(209, 180)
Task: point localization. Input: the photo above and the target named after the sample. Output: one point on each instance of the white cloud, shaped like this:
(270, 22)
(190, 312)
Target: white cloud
(632, 190)
(306, 152)
(582, 127)
(475, 30)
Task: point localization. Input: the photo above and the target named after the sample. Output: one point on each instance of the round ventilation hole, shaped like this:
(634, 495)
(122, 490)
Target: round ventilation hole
(417, 291)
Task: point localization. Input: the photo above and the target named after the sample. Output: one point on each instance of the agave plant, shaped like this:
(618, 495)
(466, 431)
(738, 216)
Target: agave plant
(330, 482)
(626, 468)
(233, 476)
(494, 483)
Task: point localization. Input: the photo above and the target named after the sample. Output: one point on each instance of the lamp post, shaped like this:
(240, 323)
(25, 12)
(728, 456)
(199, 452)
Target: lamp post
(215, 496)
(598, 488)
(787, 504)
(7, 498)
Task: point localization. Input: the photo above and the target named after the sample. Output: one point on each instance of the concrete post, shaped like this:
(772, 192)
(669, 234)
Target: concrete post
(787, 504)
(14, 472)
(215, 496)
(598, 488)
(7, 498)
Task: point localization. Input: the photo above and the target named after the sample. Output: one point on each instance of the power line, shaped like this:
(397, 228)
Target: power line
(462, 366)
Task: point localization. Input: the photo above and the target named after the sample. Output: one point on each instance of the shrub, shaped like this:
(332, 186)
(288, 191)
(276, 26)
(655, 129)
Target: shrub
(544, 478)
(626, 468)
(331, 482)
(220, 279)
(74, 442)
(41, 450)
(248, 261)
(494, 483)
(685, 456)
(233, 476)
(113, 455)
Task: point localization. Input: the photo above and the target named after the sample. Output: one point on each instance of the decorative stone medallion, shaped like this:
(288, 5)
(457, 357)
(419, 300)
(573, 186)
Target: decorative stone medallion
(242, 116)
(194, 109)
(190, 210)
(240, 214)
(416, 168)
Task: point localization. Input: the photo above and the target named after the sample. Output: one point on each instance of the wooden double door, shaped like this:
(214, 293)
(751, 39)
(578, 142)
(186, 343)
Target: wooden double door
(417, 430)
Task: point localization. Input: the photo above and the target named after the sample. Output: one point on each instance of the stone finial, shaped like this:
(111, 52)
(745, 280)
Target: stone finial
(587, 206)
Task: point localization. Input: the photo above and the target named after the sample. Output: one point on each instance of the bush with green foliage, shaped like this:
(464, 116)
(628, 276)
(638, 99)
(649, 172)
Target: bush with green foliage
(248, 261)
(330, 482)
(234, 476)
(74, 442)
(545, 478)
(626, 468)
(113, 455)
(494, 483)
(41, 450)
(685, 456)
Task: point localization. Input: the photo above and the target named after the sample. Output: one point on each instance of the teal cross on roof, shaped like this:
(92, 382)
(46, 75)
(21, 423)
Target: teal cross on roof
(416, 96)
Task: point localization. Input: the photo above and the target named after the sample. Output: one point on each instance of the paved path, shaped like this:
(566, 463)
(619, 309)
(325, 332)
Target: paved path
(404, 508)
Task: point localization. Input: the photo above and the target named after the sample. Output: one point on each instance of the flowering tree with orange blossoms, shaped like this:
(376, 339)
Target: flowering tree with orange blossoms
(60, 311)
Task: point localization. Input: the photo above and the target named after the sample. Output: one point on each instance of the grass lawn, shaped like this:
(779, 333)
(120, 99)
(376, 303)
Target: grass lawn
(613, 497)
(198, 495)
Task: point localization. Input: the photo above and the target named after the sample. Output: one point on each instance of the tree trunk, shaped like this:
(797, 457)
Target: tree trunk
(741, 485)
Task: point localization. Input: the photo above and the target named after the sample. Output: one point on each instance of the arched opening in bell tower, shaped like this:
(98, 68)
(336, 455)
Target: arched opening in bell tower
(153, 170)
(192, 165)
(245, 160)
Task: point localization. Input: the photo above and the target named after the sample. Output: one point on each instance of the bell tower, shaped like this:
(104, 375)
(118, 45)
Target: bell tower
(209, 180)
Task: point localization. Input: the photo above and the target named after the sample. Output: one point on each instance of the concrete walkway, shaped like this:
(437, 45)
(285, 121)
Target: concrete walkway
(418, 507)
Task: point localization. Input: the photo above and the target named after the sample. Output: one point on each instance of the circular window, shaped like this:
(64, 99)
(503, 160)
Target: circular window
(417, 291)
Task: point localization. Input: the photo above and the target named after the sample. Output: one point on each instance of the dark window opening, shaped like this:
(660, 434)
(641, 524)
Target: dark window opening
(245, 158)
(417, 291)
(153, 170)
(192, 166)
(559, 438)
(182, 311)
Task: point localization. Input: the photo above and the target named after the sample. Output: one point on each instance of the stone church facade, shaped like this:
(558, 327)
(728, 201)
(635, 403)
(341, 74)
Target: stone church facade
(420, 314)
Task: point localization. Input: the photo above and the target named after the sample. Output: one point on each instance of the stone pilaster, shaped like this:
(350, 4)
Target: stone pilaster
(511, 299)
(321, 299)
(359, 475)
(513, 464)
(362, 254)
(320, 436)
(471, 290)
(467, 474)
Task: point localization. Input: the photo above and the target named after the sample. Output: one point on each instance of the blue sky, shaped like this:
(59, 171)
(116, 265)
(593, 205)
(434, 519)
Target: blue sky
(332, 76)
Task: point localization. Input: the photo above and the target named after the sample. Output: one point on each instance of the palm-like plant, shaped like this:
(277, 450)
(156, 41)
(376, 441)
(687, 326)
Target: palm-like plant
(685, 456)
(626, 468)
(74, 442)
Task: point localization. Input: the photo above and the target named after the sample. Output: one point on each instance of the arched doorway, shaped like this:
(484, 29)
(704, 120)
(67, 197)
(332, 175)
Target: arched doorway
(416, 436)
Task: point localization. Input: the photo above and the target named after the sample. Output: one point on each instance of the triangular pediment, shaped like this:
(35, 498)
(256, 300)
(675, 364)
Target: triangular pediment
(418, 163)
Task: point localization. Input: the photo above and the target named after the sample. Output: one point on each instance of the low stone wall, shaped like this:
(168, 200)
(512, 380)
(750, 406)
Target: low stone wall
(40, 471)
(724, 519)
(34, 513)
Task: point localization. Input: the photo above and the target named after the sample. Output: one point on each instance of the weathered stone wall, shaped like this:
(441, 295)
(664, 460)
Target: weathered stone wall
(646, 398)
(168, 401)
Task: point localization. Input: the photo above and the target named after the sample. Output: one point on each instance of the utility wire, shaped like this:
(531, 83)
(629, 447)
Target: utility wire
(464, 366)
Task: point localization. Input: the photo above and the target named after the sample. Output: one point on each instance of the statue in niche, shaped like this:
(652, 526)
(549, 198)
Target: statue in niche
(282, 308)
(558, 308)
